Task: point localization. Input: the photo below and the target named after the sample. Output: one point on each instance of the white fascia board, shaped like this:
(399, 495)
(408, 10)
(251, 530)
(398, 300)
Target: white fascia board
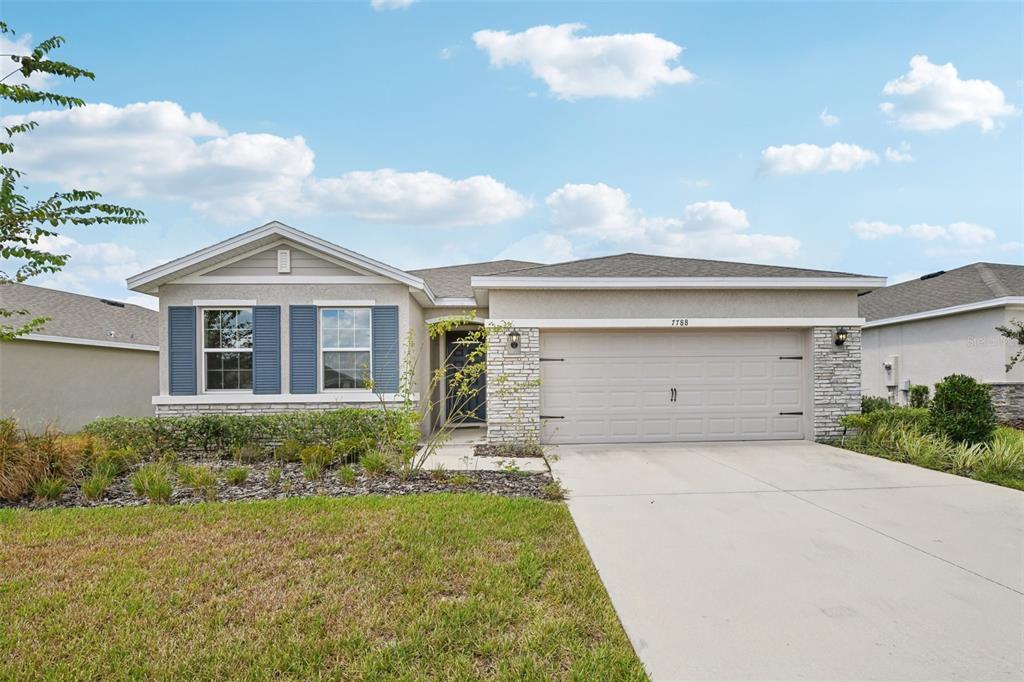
(680, 324)
(334, 303)
(47, 338)
(223, 303)
(951, 310)
(499, 282)
(455, 302)
(140, 281)
(262, 398)
(283, 279)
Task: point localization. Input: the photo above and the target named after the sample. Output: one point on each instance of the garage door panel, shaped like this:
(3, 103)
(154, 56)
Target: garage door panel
(615, 386)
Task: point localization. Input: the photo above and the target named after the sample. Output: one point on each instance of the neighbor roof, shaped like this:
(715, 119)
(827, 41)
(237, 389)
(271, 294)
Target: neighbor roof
(643, 265)
(453, 280)
(970, 284)
(75, 316)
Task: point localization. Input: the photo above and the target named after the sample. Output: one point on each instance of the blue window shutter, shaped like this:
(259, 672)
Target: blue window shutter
(266, 349)
(385, 348)
(181, 349)
(302, 348)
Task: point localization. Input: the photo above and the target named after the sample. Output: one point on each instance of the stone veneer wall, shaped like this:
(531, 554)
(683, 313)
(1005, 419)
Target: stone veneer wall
(836, 380)
(1008, 401)
(513, 389)
(192, 409)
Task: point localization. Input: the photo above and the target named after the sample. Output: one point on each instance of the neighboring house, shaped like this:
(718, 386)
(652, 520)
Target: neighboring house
(625, 348)
(920, 331)
(94, 358)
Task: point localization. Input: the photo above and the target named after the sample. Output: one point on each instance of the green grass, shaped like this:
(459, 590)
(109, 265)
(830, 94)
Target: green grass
(437, 587)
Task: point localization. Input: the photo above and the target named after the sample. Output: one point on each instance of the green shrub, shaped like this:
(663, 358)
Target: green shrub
(919, 395)
(49, 487)
(962, 410)
(315, 458)
(374, 464)
(274, 476)
(290, 450)
(349, 450)
(963, 459)
(236, 475)
(893, 417)
(347, 475)
(870, 403)
(201, 479)
(96, 485)
(153, 481)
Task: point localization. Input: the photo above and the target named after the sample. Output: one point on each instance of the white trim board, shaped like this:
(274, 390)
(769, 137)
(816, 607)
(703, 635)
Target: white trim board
(216, 303)
(951, 310)
(500, 282)
(321, 303)
(679, 324)
(282, 279)
(47, 338)
(242, 398)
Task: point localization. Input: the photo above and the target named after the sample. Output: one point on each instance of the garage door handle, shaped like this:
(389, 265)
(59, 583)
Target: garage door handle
(791, 357)
(672, 395)
(791, 413)
(548, 416)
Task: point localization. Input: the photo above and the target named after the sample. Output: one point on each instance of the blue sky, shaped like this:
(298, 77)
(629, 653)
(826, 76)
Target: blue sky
(421, 135)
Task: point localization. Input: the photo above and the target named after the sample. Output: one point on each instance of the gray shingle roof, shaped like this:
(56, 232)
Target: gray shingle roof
(453, 280)
(643, 265)
(81, 317)
(969, 284)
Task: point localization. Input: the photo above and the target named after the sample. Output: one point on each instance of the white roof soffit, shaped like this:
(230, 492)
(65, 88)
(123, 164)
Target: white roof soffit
(951, 310)
(504, 282)
(148, 281)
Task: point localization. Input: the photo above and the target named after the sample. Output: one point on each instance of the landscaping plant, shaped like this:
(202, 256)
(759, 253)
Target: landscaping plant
(153, 481)
(347, 475)
(201, 479)
(374, 464)
(919, 395)
(870, 403)
(315, 459)
(236, 475)
(962, 410)
(49, 488)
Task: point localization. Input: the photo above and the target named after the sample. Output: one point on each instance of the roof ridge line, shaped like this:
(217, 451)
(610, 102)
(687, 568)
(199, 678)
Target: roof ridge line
(992, 280)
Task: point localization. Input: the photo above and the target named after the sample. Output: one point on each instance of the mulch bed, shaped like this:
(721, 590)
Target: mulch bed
(489, 450)
(294, 484)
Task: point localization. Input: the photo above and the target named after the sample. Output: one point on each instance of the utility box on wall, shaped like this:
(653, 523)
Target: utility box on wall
(891, 369)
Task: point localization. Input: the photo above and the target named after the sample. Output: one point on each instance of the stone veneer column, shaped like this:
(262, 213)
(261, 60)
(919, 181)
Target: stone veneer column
(513, 388)
(1008, 401)
(836, 380)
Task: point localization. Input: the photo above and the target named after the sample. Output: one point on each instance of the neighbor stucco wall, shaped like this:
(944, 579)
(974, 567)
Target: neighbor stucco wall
(68, 385)
(511, 304)
(283, 295)
(931, 349)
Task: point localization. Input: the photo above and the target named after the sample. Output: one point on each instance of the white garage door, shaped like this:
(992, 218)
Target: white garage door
(662, 386)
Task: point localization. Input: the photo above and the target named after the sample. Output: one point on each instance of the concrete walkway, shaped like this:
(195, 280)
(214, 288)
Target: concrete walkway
(792, 560)
(458, 455)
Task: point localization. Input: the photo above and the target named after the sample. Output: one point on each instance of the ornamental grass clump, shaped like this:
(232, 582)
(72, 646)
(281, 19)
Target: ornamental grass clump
(49, 488)
(236, 475)
(95, 487)
(153, 482)
(315, 459)
(374, 464)
(201, 479)
(347, 475)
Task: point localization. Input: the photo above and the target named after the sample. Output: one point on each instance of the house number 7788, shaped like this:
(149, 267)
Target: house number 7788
(681, 322)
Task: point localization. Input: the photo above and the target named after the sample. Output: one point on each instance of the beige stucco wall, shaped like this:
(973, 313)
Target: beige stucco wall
(931, 349)
(546, 304)
(283, 295)
(69, 385)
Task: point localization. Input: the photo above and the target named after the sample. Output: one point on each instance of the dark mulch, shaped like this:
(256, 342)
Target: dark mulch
(489, 450)
(294, 484)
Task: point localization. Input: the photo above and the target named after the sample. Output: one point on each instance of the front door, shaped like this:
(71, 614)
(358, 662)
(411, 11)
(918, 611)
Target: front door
(470, 409)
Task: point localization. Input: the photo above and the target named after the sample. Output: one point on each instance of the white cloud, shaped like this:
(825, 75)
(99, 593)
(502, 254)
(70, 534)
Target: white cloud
(792, 159)
(92, 269)
(418, 198)
(828, 120)
(624, 65)
(540, 247)
(157, 150)
(381, 5)
(596, 214)
(933, 97)
(960, 233)
(900, 155)
(875, 229)
(446, 53)
(20, 46)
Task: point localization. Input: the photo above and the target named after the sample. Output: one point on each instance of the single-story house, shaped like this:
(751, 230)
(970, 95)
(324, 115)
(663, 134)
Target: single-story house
(920, 331)
(93, 358)
(626, 348)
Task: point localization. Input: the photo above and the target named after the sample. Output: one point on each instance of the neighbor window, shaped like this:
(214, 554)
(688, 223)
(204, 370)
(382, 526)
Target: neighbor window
(227, 349)
(345, 347)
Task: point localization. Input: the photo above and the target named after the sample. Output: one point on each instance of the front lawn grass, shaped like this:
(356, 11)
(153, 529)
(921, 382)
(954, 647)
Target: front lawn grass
(435, 586)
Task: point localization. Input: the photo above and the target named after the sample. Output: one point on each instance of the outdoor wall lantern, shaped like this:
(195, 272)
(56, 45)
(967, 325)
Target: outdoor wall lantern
(513, 339)
(841, 336)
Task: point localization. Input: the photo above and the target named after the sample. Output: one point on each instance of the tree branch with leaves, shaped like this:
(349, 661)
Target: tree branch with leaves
(25, 222)
(1013, 332)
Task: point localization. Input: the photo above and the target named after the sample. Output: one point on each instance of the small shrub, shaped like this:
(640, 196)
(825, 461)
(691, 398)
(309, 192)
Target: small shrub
(962, 410)
(96, 485)
(460, 480)
(290, 450)
(347, 475)
(49, 488)
(919, 395)
(554, 491)
(349, 450)
(315, 459)
(1005, 458)
(201, 479)
(274, 476)
(892, 417)
(236, 475)
(374, 464)
(870, 403)
(153, 482)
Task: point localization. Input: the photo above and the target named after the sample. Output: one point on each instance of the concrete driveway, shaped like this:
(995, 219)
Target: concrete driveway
(793, 560)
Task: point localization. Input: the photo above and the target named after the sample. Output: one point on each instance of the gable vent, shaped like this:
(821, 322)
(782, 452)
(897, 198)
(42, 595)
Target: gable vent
(284, 261)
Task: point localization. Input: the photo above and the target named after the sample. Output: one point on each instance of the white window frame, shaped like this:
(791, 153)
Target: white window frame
(204, 350)
(320, 348)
